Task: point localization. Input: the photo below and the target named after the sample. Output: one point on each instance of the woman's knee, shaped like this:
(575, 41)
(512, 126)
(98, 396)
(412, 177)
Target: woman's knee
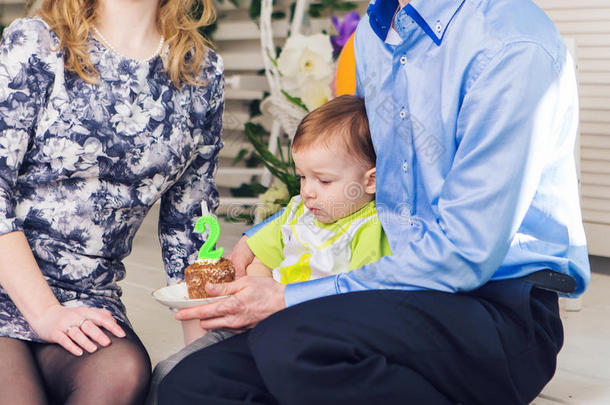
(123, 373)
(133, 370)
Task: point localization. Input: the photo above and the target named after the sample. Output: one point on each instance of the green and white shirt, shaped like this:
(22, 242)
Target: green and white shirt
(299, 248)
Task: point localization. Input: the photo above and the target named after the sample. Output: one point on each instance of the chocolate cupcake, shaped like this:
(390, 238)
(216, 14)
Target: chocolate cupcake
(198, 274)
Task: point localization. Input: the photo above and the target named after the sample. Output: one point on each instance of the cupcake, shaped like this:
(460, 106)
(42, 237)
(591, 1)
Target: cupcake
(198, 274)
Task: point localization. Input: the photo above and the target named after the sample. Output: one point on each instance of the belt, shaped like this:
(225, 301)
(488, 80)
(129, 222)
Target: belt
(552, 280)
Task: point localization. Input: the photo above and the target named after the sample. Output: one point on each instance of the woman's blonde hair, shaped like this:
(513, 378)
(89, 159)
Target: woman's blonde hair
(72, 20)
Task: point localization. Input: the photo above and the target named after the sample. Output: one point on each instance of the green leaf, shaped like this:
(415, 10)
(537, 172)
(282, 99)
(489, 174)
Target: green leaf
(254, 108)
(253, 160)
(344, 6)
(258, 188)
(245, 218)
(281, 170)
(295, 100)
(254, 129)
(255, 9)
(292, 7)
(278, 15)
(272, 58)
(280, 151)
(248, 190)
(240, 156)
(315, 10)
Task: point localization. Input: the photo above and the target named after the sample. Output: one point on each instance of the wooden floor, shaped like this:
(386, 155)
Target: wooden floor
(583, 374)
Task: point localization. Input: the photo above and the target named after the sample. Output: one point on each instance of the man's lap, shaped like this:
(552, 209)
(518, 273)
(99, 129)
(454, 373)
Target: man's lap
(472, 347)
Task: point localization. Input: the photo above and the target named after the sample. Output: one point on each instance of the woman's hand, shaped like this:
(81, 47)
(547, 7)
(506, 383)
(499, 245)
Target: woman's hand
(75, 328)
(251, 300)
(241, 256)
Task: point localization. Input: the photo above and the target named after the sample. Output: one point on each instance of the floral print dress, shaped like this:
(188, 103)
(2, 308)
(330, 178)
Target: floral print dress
(81, 164)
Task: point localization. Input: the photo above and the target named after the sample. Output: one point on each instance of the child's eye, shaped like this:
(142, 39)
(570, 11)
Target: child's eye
(325, 181)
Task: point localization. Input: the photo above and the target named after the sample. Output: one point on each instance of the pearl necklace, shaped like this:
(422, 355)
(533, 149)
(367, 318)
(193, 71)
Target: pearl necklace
(109, 45)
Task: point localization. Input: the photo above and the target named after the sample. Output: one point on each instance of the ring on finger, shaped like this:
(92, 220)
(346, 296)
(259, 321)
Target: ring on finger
(82, 321)
(67, 330)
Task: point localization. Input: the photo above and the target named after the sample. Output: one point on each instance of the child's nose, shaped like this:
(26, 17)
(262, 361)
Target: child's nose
(307, 191)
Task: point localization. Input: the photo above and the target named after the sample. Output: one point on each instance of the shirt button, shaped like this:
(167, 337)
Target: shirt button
(403, 59)
(439, 27)
(403, 113)
(405, 166)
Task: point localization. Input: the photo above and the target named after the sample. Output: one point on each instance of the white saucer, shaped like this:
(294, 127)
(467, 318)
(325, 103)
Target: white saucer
(176, 296)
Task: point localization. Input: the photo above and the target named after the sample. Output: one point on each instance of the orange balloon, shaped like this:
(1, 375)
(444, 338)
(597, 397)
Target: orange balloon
(345, 74)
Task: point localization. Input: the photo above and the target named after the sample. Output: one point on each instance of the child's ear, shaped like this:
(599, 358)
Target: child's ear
(370, 181)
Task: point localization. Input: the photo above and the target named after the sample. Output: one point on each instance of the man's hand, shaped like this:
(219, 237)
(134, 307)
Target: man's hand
(241, 256)
(251, 299)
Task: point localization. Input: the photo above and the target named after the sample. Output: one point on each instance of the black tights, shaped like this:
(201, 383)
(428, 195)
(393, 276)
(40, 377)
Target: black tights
(39, 373)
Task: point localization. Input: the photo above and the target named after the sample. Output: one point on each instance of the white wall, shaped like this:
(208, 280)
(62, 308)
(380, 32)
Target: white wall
(588, 22)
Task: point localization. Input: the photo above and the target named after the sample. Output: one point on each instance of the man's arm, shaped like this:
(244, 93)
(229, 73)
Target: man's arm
(505, 125)
(504, 129)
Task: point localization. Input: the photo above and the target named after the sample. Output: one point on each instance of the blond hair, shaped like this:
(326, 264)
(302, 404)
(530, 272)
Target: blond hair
(72, 20)
(342, 119)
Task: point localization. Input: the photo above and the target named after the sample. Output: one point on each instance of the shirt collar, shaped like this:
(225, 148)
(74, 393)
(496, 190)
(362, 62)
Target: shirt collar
(433, 16)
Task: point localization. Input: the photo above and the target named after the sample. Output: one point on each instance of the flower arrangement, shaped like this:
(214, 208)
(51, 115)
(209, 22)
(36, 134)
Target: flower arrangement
(307, 68)
(307, 63)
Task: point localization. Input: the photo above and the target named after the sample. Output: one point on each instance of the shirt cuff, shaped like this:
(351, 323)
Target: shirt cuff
(297, 293)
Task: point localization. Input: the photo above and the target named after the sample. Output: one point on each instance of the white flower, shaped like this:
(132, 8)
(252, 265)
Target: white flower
(79, 266)
(129, 119)
(306, 59)
(267, 205)
(307, 55)
(315, 94)
(150, 188)
(12, 146)
(92, 149)
(62, 154)
(155, 155)
(154, 108)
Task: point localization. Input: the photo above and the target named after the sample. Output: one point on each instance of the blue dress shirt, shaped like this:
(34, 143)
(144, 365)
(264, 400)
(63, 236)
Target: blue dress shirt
(473, 117)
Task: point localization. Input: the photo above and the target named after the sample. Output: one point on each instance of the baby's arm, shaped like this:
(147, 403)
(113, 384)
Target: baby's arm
(258, 269)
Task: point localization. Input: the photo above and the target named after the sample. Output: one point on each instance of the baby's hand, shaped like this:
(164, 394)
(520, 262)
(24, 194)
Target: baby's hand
(241, 256)
(258, 269)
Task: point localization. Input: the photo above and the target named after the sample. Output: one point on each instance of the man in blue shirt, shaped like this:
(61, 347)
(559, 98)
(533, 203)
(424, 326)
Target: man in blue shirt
(473, 111)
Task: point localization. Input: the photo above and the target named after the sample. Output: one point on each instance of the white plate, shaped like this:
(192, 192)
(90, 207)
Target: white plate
(176, 296)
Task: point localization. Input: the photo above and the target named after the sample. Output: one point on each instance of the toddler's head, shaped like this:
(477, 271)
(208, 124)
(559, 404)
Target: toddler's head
(334, 157)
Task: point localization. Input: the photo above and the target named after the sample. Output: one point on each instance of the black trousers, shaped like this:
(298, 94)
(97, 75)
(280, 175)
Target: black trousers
(495, 345)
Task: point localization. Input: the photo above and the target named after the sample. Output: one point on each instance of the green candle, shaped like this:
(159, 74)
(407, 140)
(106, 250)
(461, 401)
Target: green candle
(206, 252)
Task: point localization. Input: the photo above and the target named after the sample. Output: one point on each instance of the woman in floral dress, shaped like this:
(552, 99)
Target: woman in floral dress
(93, 131)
